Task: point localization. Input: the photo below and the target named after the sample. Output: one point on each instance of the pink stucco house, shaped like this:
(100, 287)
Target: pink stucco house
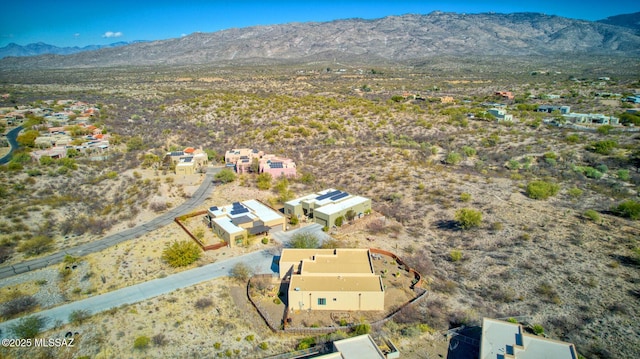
(277, 166)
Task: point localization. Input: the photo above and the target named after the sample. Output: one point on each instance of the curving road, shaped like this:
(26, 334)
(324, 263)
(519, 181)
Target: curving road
(12, 137)
(188, 206)
(260, 262)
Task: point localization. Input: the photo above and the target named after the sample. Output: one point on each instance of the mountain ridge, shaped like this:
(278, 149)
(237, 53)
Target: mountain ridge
(392, 38)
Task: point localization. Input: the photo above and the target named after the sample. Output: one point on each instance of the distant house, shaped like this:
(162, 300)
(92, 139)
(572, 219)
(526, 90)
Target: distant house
(500, 114)
(551, 108)
(187, 161)
(505, 94)
(331, 279)
(277, 166)
(242, 158)
(590, 119)
(446, 99)
(501, 340)
(54, 152)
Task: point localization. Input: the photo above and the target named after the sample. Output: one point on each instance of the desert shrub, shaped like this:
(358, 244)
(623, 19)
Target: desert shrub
(21, 304)
(468, 151)
(465, 197)
(306, 343)
(141, 342)
(362, 328)
(263, 345)
(339, 221)
(203, 303)
(158, 206)
(627, 209)
(453, 158)
(603, 147)
(77, 317)
(27, 327)
(538, 329)
(225, 176)
(160, 340)
(468, 218)
(455, 255)
(592, 215)
(250, 338)
(263, 181)
(36, 245)
(410, 331)
(574, 192)
(623, 175)
(589, 171)
(265, 240)
(294, 220)
(180, 254)
(497, 226)
(241, 272)
(513, 165)
(350, 215)
(542, 189)
(304, 240)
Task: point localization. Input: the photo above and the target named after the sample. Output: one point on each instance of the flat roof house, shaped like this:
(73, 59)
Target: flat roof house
(277, 166)
(235, 222)
(500, 114)
(502, 340)
(241, 158)
(326, 206)
(331, 279)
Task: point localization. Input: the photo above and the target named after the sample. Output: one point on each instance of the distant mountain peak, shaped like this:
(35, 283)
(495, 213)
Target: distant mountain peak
(393, 38)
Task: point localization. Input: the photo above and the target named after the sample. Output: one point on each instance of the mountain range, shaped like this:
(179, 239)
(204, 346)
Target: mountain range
(40, 48)
(393, 38)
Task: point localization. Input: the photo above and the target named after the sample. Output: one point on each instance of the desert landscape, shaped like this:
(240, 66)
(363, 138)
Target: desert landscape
(507, 208)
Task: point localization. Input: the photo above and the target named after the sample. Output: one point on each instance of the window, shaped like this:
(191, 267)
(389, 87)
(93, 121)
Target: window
(322, 301)
(335, 299)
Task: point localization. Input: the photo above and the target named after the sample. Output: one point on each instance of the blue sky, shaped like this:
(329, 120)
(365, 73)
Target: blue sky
(81, 23)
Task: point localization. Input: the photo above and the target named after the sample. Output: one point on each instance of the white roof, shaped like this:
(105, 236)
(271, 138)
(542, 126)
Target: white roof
(295, 202)
(358, 347)
(500, 338)
(342, 205)
(263, 212)
(225, 223)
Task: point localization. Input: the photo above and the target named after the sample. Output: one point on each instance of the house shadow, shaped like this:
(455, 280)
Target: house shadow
(447, 225)
(465, 343)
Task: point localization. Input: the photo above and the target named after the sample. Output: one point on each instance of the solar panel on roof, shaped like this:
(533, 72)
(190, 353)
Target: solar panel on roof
(339, 196)
(214, 208)
(328, 195)
(187, 159)
(239, 211)
(276, 165)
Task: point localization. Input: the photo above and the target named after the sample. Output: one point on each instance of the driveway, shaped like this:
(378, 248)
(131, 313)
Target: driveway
(12, 137)
(199, 196)
(259, 261)
(285, 237)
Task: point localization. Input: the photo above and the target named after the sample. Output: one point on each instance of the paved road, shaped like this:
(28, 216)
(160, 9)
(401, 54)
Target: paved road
(188, 206)
(12, 137)
(260, 262)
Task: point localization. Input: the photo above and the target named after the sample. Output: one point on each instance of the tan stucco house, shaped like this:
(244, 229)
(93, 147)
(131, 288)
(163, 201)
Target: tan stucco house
(331, 279)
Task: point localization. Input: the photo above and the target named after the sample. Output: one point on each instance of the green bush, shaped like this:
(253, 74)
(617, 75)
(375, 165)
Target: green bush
(241, 272)
(263, 346)
(180, 254)
(453, 158)
(465, 197)
(304, 240)
(574, 192)
(294, 220)
(538, 329)
(455, 255)
(141, 342)
(592, 215)
(362, 328)
(542, 189)
(265, 240)
(469, 151)
(623, 175)
(603, 147)
(339, 221)
(628, 209)
(27, 327)
(225, 176)
(36, 245)
(468, 218)
(263, 181)
(306, 343)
